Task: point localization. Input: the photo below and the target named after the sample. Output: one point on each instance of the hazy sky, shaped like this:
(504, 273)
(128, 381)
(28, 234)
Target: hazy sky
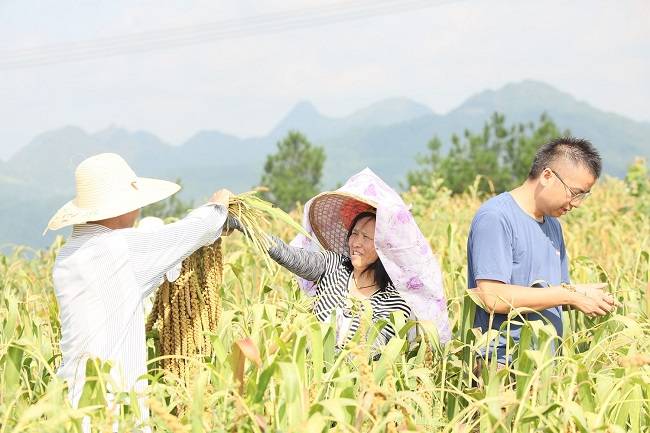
(599, 51)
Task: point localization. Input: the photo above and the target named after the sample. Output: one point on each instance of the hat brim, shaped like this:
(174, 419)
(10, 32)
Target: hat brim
(330, 217)
(148, 191)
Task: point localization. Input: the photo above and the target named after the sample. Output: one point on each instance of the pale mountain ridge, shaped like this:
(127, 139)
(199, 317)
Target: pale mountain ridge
(385, 136)
(521, 101)
(389, 111)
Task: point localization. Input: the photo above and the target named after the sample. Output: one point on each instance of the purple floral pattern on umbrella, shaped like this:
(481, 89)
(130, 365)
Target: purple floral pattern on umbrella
(402, 248)
(414, 283)
(371, 190)
(403, 216)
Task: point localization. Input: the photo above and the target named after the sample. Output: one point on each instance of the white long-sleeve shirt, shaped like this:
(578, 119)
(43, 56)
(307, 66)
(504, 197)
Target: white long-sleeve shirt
(101, 277)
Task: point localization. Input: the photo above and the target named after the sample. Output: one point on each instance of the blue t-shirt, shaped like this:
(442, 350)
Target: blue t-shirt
(508, 245)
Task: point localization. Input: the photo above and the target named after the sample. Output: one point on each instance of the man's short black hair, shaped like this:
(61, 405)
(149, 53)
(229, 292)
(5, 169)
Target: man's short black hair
(576, 150)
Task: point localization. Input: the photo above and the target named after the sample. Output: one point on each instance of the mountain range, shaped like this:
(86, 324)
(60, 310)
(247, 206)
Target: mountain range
(385, 136)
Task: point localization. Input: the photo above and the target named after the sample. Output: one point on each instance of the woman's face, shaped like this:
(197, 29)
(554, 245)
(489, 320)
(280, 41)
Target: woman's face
(362, 244)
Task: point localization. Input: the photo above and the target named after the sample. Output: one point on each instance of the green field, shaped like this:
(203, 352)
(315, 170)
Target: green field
(600, 382)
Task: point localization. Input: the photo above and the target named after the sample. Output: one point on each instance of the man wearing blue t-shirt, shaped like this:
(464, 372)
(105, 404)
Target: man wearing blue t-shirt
(515, 251)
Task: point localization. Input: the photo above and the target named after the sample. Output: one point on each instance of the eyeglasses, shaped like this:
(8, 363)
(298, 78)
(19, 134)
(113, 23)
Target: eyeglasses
(575, 196)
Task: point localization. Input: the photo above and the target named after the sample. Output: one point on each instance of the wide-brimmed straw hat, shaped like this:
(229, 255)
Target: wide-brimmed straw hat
(330, 217)
(107, 187)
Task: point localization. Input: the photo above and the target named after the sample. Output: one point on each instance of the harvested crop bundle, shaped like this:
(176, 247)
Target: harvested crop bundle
(187, 309)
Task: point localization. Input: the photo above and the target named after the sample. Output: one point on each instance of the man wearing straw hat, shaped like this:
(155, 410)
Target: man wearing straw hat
(106, 268)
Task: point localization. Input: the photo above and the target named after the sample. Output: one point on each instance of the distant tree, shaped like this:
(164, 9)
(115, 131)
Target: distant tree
(637, 178)
(429, 164)
(294, 172)
(172, 207)
(500, 153)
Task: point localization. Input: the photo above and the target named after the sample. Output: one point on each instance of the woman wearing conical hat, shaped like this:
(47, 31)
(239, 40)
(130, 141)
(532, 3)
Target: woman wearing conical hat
(368, 248)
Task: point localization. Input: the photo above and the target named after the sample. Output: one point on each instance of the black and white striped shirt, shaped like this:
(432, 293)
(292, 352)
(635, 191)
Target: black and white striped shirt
(332, 272)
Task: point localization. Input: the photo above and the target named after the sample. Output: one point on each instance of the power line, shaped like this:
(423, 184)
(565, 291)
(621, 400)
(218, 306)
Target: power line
(191, 35)
(210, 32)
